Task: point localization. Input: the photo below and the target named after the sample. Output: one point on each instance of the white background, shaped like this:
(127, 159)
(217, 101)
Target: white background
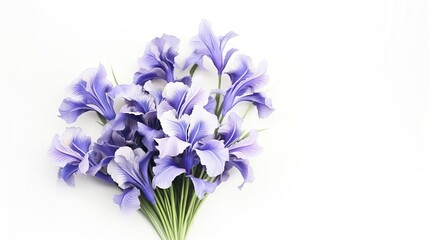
(347, 153)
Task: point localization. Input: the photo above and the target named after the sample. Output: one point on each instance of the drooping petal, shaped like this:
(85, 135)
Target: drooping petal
(211, 105)
(91, 92)
(96, 161)
(120, 175)
(71, 109)
(245, 170)
(202, 124)
(262, 103)
(213, 155)
(126, 172)
(128, 200)
(61, 154)
(67, 172)
(84, 164)
(166, 170)
(202, 186)
(170, 146)
(246, 148)
(230, 131)
(105, 177)
(224, 39)
(70, 148)
(145, 75)
(225, 175)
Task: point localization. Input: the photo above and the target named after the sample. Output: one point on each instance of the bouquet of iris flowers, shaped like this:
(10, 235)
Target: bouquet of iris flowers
(167, 141)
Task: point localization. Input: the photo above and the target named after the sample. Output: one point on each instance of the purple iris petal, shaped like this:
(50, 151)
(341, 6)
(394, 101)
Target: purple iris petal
(130, 169)
(69, 152)
(71, 147)
(148, 135)
(158, 60)
(163, 107)
(244, 168)
(213, 155)
(137, 100)
(122, 131)
(189, 159)
(171, 146)
(184, 133)
(202, 124)
(128, 200)
(195, 96)
(244, 77)
(166, 170)
(239, 150)
(246, 87)
(67, 172)
(155, 88)
(202, 186)
(94, 163)
(119, 132)
(71, 109)
(247, 147)
(211, 105)
(127, 129)
(183, 98)
(89, 93)
(261, 102)
(230, 131)
(225, 175)
(175, 94)
(207, 44)
(173, 126)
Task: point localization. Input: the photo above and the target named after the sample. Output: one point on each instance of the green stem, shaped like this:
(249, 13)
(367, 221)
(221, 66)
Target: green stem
(160, 202)
(217, 98)
(173, 212)
(194, 212)
(183, 205)
(148, 209)
(149, 213)
(175, 208)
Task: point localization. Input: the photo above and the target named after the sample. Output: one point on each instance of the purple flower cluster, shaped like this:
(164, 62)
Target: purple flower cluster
(167, 127)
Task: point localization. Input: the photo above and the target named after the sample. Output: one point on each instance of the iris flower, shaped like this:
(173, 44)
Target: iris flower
(90, 93)
(189, 141)
(211, 46)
